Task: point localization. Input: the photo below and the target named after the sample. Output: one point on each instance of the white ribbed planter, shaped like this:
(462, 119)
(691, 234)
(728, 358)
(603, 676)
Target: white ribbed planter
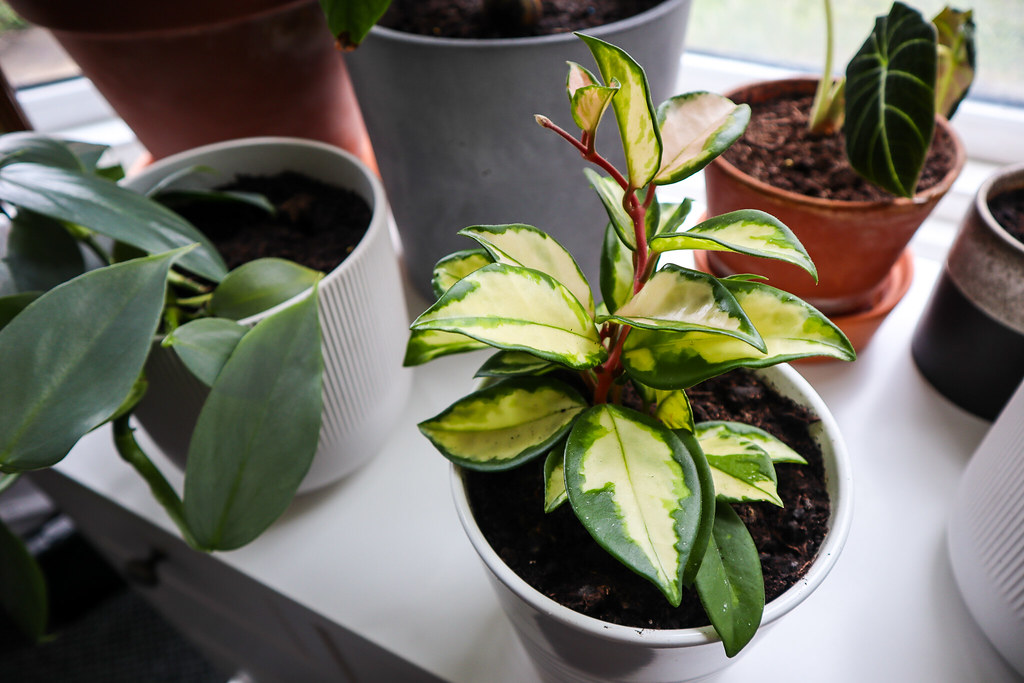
(567, 646)
(363, 317)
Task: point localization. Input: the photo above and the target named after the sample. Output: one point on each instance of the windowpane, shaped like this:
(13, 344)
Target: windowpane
(29, 55)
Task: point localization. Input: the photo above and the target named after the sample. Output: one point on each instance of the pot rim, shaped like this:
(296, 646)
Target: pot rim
(840, 487)
(379, 220)
(1003, 180)
(932, 194)
(651, 15)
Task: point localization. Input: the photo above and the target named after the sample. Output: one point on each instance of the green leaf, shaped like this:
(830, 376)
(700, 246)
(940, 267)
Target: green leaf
(259, 285)
(634, 486)
(454, 267)
(956, 60)
(426, 345)
(681, 299)
(110, 210)
(513, 364)
(729, 583)
(40, 254)
(72, 357)
(204, 345)
(790, 328)
(610, 194)
(176, 199)
(505, 424)
(633, 107)
(349, 21)
(258, 430)
(744, 435)
(746, 231)
(674, 411)
(22, 586)
(525, 245)
(672, 216)
(554, 479)
(616, 270)
(588, 98)
(696, 128)
(890, 101)
(742, 470)
(27, 146)
(14, 304)
(518, 309)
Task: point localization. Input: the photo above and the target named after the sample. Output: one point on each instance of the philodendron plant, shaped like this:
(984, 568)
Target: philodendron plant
(651, 487)
(92, 274)
(906, 71)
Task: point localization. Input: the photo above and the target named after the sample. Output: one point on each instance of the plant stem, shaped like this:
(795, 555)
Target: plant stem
(820, 117)
(129, 450)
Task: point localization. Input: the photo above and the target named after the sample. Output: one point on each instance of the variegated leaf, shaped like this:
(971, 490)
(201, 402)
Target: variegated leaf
(633, 107)
(616, 270)
(588, 98)
(744, 434)
(681, 299)
(610, 194)
(729, 584)
(456, 266)
(956, 60)
(674, 410)
(696, 128)
(742, 470)
(635, 487)
(506, 423)
(747, 231)
(426, 345)
(518, 309)
(554, 479)
(514, 363)
(790, 328)
(672, 216)
(525, 245)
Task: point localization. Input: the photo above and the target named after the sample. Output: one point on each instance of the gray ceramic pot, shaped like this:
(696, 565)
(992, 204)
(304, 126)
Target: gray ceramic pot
(970, 341)
(452, 125)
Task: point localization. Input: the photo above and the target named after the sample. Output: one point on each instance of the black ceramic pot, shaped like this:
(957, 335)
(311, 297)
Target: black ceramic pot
(969, 344)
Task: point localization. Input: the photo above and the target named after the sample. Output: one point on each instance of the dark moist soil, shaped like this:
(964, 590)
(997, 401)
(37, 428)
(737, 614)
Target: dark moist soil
(315, 224)
(556, 555)
(778, 149)
(469, 19)
(1008, 210)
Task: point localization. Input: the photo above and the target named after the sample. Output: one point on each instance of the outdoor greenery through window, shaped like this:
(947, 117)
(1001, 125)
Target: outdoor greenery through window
(791, 33)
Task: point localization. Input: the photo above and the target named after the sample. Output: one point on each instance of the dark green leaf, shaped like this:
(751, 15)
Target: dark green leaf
(14, 304)
(259, 285)
(204, 345)
(22, 586)
(40, 253)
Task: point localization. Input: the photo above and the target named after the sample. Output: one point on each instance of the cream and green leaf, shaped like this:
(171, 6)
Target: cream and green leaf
(554, 478)
(634, 486)
(514, 363)
(426, 345)
(506, 423)
(456, 266)
(616, 270)
(743, 471)
(519, 309)
(696, 128)
(588, 98)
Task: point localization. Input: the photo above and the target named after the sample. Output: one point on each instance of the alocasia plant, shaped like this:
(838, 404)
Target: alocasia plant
(91, 274)
(556, 387)
(907, 70)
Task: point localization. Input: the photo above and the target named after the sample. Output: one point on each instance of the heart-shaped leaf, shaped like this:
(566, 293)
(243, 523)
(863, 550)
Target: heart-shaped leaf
(258, 430)
(88, 338)
(696, 128)
(746, 231)
(259, 285)
(518, 309)
(506, 423)
(633, 107)
(890, 101)
(637, 489)
(204, 345)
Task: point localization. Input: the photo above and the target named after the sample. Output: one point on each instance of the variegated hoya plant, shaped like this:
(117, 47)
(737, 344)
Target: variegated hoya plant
(651, 487)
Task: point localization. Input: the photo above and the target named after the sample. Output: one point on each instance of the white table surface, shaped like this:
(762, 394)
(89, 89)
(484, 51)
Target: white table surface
(382, 552)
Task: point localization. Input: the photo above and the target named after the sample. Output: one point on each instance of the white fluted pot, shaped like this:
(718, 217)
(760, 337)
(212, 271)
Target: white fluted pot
(567, 646)
(363, 317)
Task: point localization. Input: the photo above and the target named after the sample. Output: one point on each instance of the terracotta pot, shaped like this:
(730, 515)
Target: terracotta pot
(853, 244)
(454, 132)
(211, 70)
(969, 343)
(363, 319)
(565, 645)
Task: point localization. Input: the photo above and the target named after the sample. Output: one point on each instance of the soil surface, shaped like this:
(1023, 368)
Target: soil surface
(315, 224)
(1008, 210)
(556, 555)
(778, 149)
(506, 19)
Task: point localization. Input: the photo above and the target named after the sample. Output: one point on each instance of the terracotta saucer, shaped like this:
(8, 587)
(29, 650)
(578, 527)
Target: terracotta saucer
(859, 326)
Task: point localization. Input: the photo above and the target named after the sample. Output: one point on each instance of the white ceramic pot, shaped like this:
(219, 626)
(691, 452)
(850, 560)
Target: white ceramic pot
(363, 317)
(567, 646)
